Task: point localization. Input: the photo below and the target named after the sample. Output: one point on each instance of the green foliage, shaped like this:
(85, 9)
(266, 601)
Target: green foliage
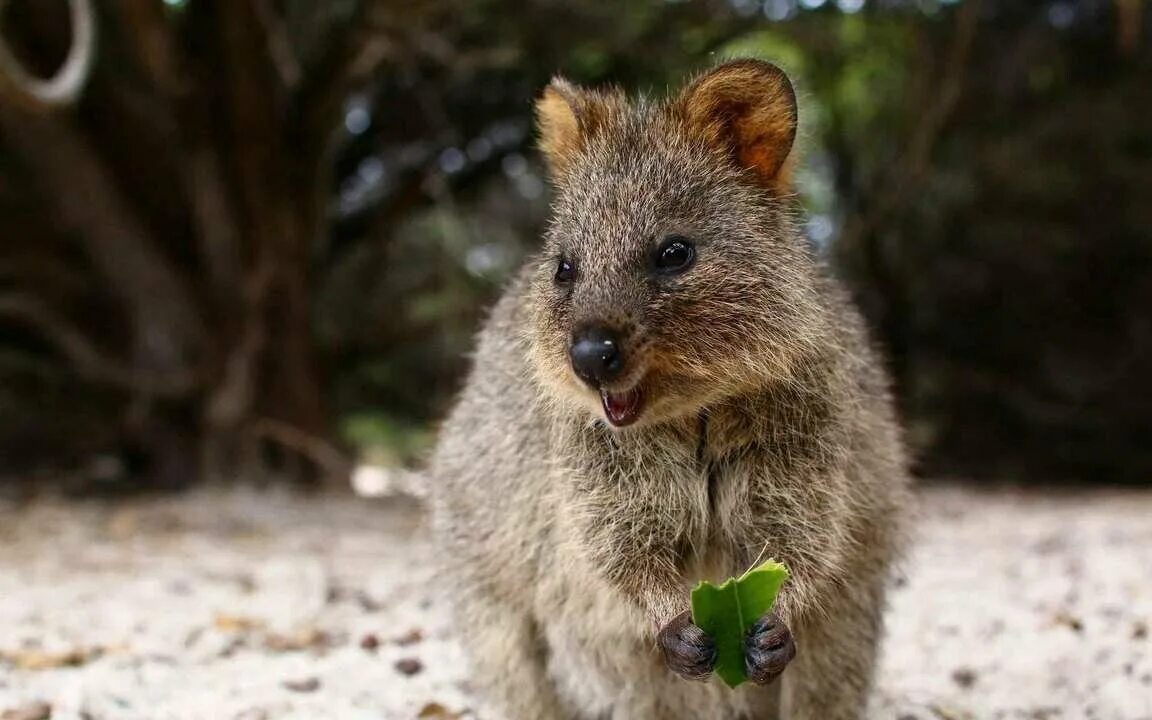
(728, 611)
(384, 440)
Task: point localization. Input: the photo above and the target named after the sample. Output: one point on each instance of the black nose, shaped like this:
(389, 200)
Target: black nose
(596, 355)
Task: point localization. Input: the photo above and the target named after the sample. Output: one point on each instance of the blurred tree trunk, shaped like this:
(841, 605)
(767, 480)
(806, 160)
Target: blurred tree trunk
(180, 167)
(177, 176)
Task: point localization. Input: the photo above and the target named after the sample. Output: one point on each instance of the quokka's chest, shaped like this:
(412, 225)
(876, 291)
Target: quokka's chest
(700, 507)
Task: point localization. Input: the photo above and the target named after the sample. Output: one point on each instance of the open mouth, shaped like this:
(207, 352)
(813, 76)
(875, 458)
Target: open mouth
(622, 408)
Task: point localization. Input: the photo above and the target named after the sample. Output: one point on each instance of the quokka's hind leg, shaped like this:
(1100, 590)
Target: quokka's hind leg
(831, 676)
(508, 662)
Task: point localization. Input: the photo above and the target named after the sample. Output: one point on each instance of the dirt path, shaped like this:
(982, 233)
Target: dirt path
(245, 606)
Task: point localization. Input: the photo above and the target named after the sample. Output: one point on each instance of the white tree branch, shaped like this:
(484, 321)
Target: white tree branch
(66, 86)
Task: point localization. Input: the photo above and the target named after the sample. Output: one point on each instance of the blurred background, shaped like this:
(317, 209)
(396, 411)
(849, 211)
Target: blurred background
(251, 240)
(245, 245)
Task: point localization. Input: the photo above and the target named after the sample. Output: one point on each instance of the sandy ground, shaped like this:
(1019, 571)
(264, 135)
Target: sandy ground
(244, 606)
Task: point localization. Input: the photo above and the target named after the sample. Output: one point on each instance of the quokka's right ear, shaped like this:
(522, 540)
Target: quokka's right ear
(747, 108)
(566, 117)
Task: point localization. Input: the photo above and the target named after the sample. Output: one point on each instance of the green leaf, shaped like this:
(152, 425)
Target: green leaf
(727, 612)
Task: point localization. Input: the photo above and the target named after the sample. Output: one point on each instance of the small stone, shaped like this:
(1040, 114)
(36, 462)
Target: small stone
(305, 639)
(368, 603)
(944, 713)
(236, 623)
(1070, 621)
(411, 637)
(306, 685)
(409, 666)
(436, 711)
(37, 660)
(35, 711)
(964, 677)
(369, 642)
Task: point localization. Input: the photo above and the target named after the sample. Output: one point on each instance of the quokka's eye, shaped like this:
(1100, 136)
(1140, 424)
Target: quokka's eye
(674, 255)
(565, 272)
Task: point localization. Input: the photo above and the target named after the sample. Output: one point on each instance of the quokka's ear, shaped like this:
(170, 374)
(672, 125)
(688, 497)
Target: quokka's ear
(566, 116)
(748, 108)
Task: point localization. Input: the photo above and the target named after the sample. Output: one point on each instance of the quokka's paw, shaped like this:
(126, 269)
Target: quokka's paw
(688, 651)
(768, 648)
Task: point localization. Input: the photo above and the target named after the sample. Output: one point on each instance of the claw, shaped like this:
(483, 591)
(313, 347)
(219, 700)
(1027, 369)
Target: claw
(688, 650)
(768, 648)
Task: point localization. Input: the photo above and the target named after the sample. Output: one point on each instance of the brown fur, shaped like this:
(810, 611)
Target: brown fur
(767, 427)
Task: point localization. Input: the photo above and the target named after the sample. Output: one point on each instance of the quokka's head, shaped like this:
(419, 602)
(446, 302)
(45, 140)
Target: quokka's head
(672, 275)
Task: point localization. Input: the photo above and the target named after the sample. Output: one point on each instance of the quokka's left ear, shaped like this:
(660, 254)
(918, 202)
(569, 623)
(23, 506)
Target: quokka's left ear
(566, 117)
(747, 108)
